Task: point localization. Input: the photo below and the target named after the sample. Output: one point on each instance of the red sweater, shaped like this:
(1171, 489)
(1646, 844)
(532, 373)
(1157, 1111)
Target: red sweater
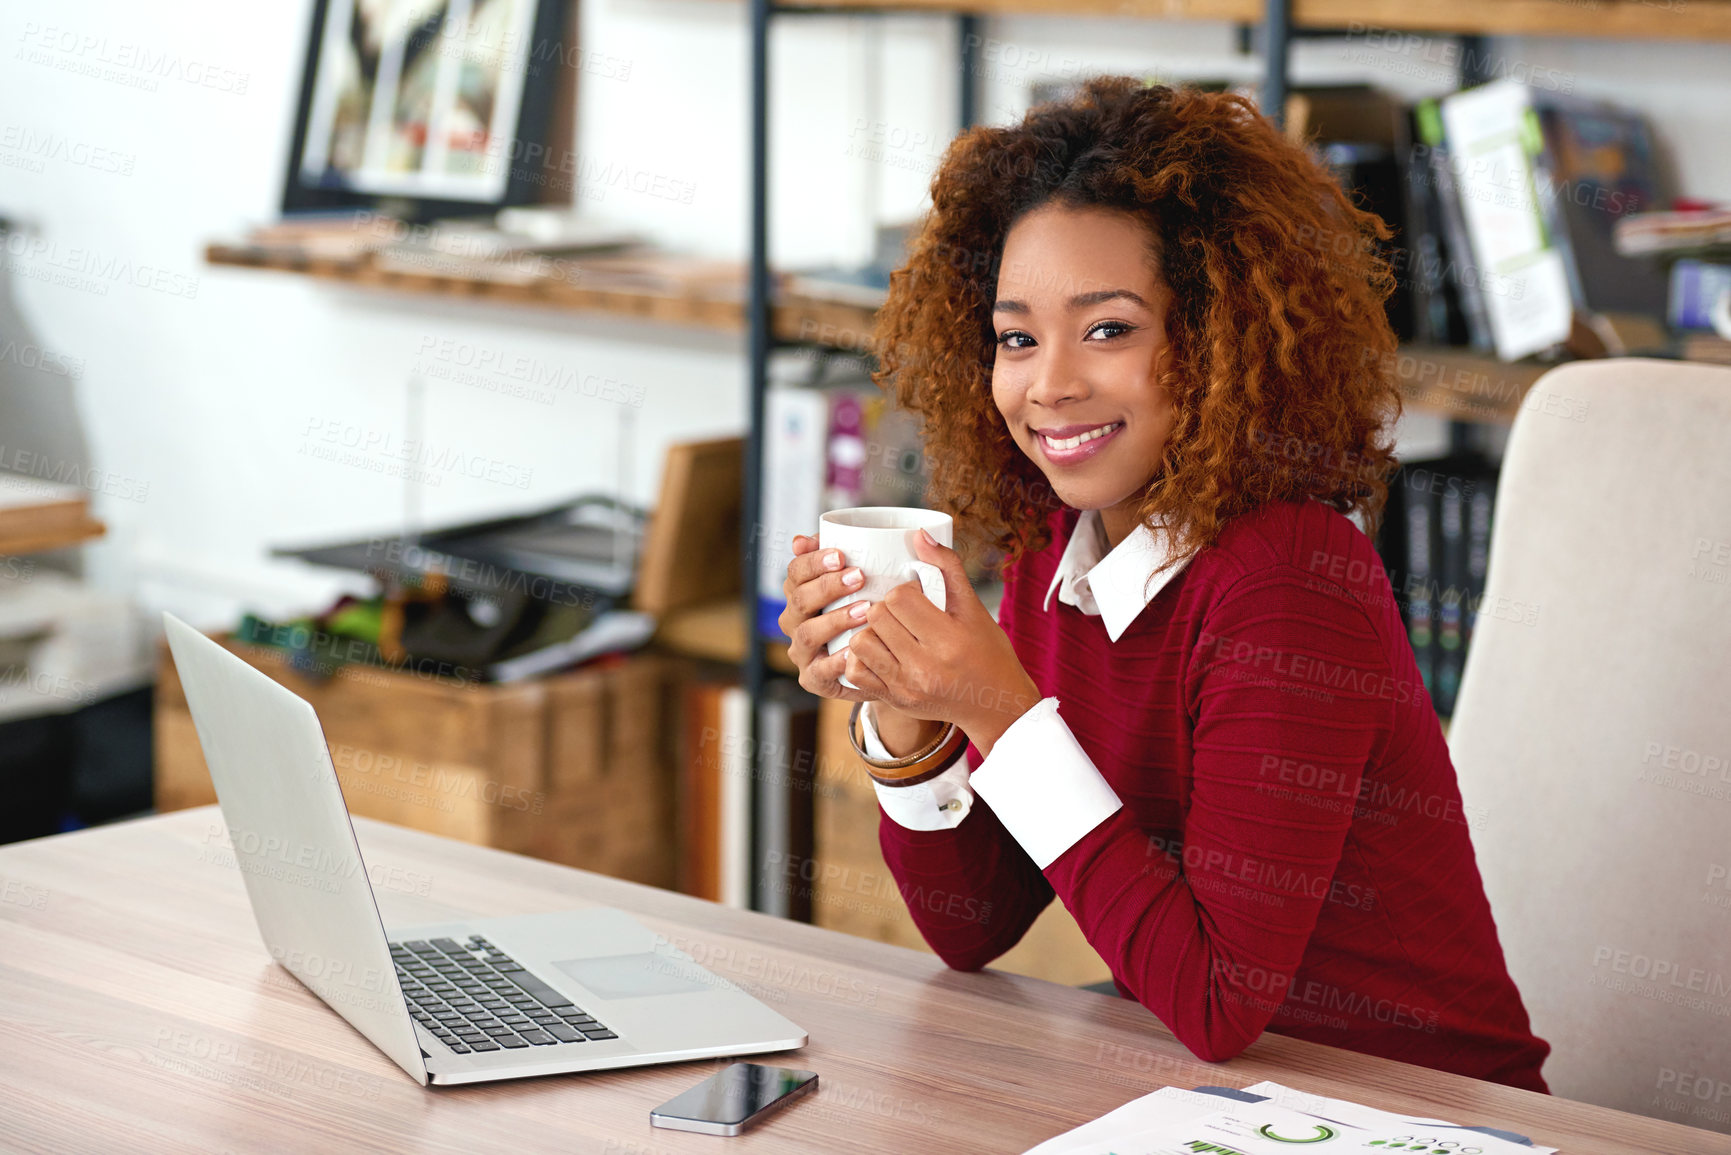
(1292, 854)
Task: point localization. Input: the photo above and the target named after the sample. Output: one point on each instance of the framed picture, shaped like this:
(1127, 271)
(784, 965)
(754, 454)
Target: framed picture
(426, 108)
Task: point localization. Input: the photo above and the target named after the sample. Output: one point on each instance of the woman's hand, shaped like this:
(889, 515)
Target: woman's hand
(954, 664)
(814, 580)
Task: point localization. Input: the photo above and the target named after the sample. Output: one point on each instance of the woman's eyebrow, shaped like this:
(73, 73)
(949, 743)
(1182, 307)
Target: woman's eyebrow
(1079, 301)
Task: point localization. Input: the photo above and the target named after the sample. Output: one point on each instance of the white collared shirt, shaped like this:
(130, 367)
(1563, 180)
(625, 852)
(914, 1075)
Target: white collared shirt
(1040, 782)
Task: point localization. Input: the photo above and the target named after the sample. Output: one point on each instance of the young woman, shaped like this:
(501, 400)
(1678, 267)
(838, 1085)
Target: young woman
(1146, 336)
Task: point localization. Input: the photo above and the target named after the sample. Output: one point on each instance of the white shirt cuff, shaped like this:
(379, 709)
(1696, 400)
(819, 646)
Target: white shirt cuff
(938, 803)
(1043, 786)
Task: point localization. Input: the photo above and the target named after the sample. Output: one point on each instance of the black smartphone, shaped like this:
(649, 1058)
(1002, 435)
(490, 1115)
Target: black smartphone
(733, 1099)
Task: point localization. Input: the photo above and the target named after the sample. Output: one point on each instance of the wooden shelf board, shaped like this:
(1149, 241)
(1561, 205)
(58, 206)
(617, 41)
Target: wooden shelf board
(716, 631)
(1453, 383)
(1461, 384)
(704, 312)
(39, 543)
(1622, 19)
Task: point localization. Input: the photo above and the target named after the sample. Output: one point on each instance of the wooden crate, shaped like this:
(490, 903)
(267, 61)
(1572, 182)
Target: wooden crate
(853, 892)
(575, 767)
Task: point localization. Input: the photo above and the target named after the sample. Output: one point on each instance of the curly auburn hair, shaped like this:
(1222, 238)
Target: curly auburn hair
(1277, 327)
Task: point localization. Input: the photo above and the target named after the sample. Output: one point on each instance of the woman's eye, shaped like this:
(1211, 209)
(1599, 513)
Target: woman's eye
(1008, 340)
(1110, 328)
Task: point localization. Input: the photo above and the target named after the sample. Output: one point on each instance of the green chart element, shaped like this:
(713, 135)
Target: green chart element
(1323, 1134)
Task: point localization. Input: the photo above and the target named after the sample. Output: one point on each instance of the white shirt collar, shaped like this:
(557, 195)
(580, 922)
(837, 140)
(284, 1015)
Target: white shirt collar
(1113, 585)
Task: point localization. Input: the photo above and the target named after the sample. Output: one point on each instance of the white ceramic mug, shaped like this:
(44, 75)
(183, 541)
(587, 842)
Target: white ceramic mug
(879, 539)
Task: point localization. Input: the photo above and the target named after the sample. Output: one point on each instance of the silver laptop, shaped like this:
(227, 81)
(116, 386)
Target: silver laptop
(457, 1002)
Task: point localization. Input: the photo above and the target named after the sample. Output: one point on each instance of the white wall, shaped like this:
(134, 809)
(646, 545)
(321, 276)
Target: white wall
(210, 402)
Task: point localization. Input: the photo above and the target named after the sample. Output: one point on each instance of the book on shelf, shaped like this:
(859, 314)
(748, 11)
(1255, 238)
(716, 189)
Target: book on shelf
(1435, 544)
(1458, 275)
(795, 428)
(714, 811)
(1703, 231)
(1533, 190)
(1405, 545)
(787, 775)
(1695, 290)
(1497, 157)
(1449, 636)
(1600, 165)
(734, 835)
(1363, 136)
(700, 790)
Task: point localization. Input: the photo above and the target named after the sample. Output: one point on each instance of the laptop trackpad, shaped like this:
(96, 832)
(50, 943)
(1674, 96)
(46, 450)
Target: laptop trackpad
(635, 976)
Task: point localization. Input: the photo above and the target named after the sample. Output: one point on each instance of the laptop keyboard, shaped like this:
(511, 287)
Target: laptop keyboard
(474, 997)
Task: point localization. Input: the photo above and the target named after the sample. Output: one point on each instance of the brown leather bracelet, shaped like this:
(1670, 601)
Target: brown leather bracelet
(939, 763)
(920, 766)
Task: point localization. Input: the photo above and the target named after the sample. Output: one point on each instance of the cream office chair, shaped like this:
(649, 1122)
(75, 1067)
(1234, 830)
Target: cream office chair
(1593, 732)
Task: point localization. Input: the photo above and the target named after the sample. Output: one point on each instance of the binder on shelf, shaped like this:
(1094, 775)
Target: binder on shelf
(1479, 509)
(1599, 167)
(1363, 135)
(795, 430)
(1695, 289)
(1460, 272)
(1420, 577)
(734, 835)
(1496, 154)
(1450, 610)
(699, 807)
(1435, 543)
(787, 765)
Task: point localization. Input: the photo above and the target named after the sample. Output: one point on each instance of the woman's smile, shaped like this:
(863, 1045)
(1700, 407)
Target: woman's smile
(1062, 447)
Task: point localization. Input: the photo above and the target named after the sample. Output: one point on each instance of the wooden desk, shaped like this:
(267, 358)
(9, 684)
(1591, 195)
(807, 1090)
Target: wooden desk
(139, 1011)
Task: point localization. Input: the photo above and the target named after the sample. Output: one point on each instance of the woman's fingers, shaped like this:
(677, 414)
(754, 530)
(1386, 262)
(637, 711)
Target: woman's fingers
(822, 676)
(862, 675)
(812, 635)
(811, 562)
(810, 597)
(895, 636)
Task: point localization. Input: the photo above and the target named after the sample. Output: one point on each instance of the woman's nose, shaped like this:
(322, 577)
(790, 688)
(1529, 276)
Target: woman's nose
(1056, 381)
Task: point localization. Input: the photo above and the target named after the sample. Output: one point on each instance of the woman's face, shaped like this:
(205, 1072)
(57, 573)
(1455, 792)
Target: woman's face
(1080, 318)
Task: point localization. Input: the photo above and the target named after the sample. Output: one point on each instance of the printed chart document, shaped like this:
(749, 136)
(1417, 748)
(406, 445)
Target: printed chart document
(1175, 1122)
